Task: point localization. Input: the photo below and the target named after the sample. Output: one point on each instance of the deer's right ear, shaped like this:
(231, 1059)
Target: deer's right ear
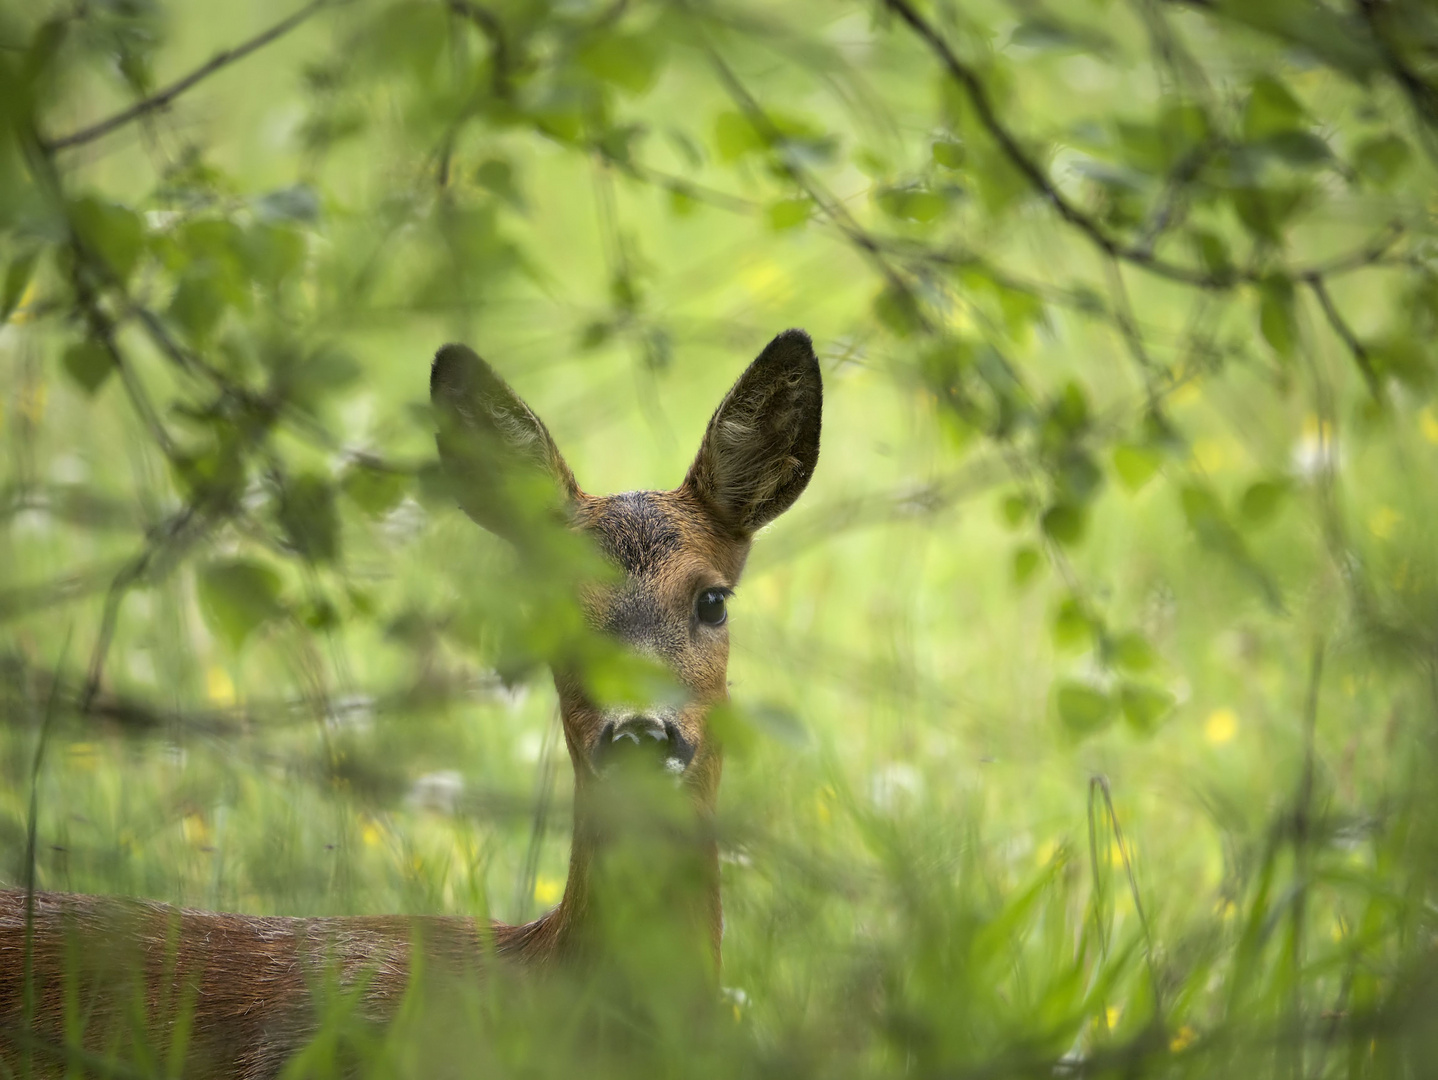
(501, 463)
(762, 442)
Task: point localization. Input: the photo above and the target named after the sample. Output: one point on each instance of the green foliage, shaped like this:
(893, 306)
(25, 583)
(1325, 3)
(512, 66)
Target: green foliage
(237, 597)
(1126, 774)
(88, 364)
(1083, 709)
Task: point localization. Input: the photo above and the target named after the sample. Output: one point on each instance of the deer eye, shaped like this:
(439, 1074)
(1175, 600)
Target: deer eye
(710, 607)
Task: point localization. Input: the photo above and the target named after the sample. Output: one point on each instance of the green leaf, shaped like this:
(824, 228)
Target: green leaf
(1186, 125)
(1265, 211)
(88, 364)
(237, 596)
(1131, 652)
(1205, 516)
(629, 61)
(216, 240)
(1400, 356)
(616, 141)
(298, 203)
(1262, 499)
(1076, 476)
(1027, 562)
(1022, 310)
(949, 153)
(788, 213)
(110, 232)
(1064, 523)
(199, 301)
(911, 204)
(1046, 33)
(1144, 706)
(681, 202)
(1299, 148)
(595, 334)
(308, 517)
(1382, 160)
(1202, 509)
(271, 253)
(497, 177)
(896, 309)
(1072, 627)
(779, 723)
(1083, 709)
(1330, 34)
(734, 136)
(732, 729)
(1069, 411)
(1213, 253)
(215, 476)
(1271, 108)
(321, 615)
(1015, 509)
(1135, 465)
(332, 368)
(375, 491)
(1275, 314)
(739, 728)
(563, 110)
(311, 380)
(17, 278)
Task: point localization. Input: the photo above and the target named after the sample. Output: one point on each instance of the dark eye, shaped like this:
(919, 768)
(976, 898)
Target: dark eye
(710, 607)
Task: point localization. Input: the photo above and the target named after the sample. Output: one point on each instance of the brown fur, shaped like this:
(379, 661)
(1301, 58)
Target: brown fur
(250, 980)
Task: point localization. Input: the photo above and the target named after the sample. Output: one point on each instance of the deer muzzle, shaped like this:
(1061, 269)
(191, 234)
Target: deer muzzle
(644, 743)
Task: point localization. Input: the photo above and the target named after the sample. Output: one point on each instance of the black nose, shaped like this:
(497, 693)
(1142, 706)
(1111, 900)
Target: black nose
(644, 742)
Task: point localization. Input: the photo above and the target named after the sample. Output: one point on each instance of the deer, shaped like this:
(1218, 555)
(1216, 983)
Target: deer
(245, 984)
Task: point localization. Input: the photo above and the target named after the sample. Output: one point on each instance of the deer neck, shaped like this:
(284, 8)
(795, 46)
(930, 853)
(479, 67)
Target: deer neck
(643, 869)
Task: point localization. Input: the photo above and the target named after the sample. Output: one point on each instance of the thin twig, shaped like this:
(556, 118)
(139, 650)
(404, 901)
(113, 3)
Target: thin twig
(832, 207)
(161, 98)
(1038, 179)
(720, 200)
(102, 329)
(1137, 254)
(1170, 202)
(1422, 96)
(175, 533)
(1360, 352)
(1126, 320)
(501, 63)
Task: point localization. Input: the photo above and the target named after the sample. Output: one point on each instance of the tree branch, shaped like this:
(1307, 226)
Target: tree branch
(833, 208)
(1360, 352)
(102, 329)
(501, 63)
(161, 98)
(1038, 179)
(1422, 96)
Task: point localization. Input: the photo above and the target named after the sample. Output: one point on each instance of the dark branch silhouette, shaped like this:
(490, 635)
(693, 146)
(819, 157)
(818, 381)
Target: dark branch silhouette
(163, 97)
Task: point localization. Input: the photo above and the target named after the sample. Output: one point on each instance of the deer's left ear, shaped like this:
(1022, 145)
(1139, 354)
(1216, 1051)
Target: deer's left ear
(762, 443)
(505, 469)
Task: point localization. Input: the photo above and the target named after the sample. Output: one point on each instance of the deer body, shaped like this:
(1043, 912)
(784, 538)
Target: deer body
(239, 990)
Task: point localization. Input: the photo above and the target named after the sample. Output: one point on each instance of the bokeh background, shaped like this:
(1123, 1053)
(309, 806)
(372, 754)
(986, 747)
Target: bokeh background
(1086, 699)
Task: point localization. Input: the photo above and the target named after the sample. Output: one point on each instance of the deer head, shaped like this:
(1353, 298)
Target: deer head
(674, 557)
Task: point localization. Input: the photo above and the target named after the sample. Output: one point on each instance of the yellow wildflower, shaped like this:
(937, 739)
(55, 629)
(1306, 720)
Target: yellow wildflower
(1220, 727)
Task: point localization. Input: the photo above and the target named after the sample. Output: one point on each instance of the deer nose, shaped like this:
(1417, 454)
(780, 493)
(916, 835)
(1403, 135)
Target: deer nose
(642, 741)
